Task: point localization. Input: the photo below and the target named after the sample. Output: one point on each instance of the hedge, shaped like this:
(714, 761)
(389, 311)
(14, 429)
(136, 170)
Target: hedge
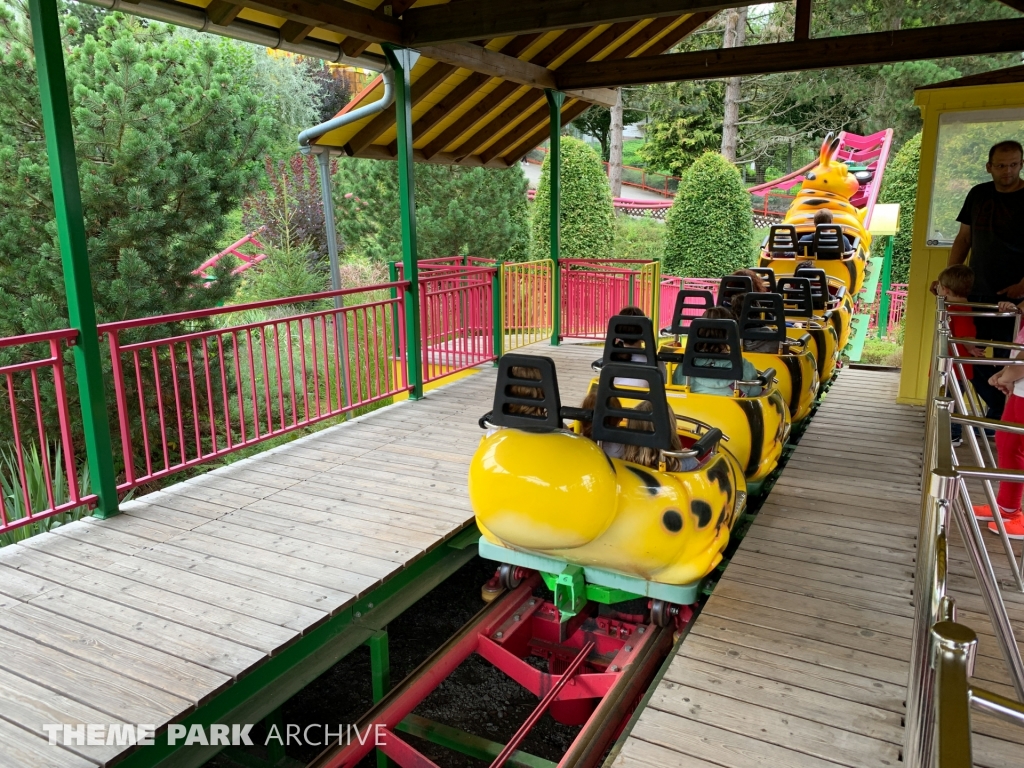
(899, 185)
(710, 225)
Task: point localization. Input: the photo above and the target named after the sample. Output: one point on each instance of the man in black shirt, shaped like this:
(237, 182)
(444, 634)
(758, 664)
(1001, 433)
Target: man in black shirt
(992, 231)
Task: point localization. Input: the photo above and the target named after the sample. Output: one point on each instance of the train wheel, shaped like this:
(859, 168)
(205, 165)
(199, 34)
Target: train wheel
(662, 613)
(509, 576)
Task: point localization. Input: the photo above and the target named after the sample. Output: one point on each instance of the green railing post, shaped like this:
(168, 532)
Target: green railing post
(498, 311)
(402, 60)
(555, 101)
(883, 302)
(67, 203)
(380, 677)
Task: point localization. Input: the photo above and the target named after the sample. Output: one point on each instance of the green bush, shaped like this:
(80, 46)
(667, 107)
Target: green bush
(710, 228)
(900, 186)
(639, 238)
(587, 211)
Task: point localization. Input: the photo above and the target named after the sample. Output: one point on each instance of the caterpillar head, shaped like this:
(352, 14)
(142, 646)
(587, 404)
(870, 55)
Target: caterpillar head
(830, 175)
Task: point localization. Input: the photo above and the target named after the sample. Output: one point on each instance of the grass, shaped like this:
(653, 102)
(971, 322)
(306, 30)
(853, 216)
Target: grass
(882, 352)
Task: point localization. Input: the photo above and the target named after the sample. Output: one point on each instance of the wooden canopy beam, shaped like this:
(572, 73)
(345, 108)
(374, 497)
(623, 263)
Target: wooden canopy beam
(335, 16)
(459, 21)
(802, 27)
(223, 13)
(1017, 5)
(983, 37)
(353, 46)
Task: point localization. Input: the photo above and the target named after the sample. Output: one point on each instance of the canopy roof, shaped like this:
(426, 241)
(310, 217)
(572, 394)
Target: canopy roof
(478, 87)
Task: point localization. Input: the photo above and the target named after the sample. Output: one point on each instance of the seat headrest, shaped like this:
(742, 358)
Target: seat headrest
(828, 241)
(730, 286)
(526, 381)
(609, 421)
(624, 332)
(796, 294)
(688, 300)
(782, 240)
(763, 318)
(819, 285)
(767, 274)
(727, 364)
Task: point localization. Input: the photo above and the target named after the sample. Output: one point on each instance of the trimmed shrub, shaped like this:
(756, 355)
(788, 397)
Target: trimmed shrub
(710, 227)
(586, 206)
(900, 186)
(639, 238)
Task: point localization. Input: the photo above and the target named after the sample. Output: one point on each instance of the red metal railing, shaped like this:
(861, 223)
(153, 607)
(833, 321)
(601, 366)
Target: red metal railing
(593, 290)
(457, 318)
(201, 393)
(38, 479)
(670, 287)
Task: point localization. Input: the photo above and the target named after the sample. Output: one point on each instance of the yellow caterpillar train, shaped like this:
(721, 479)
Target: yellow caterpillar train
(636, 492)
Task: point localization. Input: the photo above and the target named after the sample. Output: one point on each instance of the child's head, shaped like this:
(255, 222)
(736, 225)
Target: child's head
(758, 283)
(956, 282)
(590, 403)
(711, 338)
(528, 393)
(824, 216)
(632, 312)
(649, 457)
(805, 265)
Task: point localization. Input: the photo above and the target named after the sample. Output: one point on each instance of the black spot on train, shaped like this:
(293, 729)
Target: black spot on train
(816, 201)
(796, 375)
(650, 482)
(721, 520)
(818, 335)
(719, 473)
(779, 405)
(755, 420)
(672, 520)
(609, 460)
(851, 268)
(703, 512)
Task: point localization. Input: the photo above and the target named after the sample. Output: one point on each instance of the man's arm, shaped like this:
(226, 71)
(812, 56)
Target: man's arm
(961, 246)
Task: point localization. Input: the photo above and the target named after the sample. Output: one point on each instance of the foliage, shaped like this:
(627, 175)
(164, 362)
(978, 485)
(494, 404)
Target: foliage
(597, 122)
(709, 227)
(586, 205)
(630, 152)
(167, 142)
(686, 122)
(285, 272)
(638, 238)
(290, 206)
(332, 89)
(459, 211)
(900, 186)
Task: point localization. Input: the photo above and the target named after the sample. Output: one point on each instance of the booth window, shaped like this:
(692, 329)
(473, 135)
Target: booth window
(961, 152)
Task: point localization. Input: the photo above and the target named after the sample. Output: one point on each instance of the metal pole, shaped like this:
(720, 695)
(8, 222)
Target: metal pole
(883, 302)
(324, 160)
(555, 101)
(67, 203)
(498, 309)
(402, 60)
(953, 646)
(929, 589)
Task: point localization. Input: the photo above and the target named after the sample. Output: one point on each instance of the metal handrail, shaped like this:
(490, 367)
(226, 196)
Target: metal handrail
(940, 698)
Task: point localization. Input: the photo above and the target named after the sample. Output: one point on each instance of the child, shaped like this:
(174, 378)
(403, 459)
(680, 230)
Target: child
(707, 385)
(954, 284)
(751, 345)
(1009, 450)
(755, 279)
(651, 457)
(613, 450)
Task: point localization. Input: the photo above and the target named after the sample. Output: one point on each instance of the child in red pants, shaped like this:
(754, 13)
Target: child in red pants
(1009, 447)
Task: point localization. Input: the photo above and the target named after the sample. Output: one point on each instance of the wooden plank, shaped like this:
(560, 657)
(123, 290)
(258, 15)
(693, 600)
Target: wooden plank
(21, 749)
(897, 537)
(119, 696)
(642, 754)
(175, 501)
(365, 510)
(890, 560)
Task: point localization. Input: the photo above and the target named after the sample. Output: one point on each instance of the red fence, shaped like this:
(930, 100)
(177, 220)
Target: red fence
(593, 290)
(38, 478)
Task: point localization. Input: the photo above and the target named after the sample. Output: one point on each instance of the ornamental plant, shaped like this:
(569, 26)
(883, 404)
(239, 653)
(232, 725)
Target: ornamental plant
(586, 210)
(710, 227)
(900, 186)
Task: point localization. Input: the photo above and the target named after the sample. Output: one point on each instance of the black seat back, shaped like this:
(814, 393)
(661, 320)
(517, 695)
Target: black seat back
(828, 242)
(819, 285)
(767, 274)
(732, 285)
(609, 420)
(782, 241)
(689, 300)
(624, 333)
(796, 294)
(514, 391)
(763, 318)
(704, 332)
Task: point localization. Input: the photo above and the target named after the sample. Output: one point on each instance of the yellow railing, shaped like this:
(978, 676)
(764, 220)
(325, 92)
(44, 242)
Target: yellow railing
(527, 302)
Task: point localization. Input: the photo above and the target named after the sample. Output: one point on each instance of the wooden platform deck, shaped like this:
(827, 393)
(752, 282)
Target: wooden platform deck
(800, 657)
(143, 617)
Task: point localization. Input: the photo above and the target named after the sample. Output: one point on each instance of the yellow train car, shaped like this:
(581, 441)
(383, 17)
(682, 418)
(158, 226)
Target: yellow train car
(801, 320)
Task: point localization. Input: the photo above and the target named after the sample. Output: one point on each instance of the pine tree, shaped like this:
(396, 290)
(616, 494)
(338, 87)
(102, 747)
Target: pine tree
(586, 206)
(167, 142)
(459, 211)
(710, 227)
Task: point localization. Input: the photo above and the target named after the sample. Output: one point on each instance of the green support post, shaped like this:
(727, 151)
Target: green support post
(555, 101)
(402, 60)
(497, 311)
(380, 676)
(883, 302)
(67, 203)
